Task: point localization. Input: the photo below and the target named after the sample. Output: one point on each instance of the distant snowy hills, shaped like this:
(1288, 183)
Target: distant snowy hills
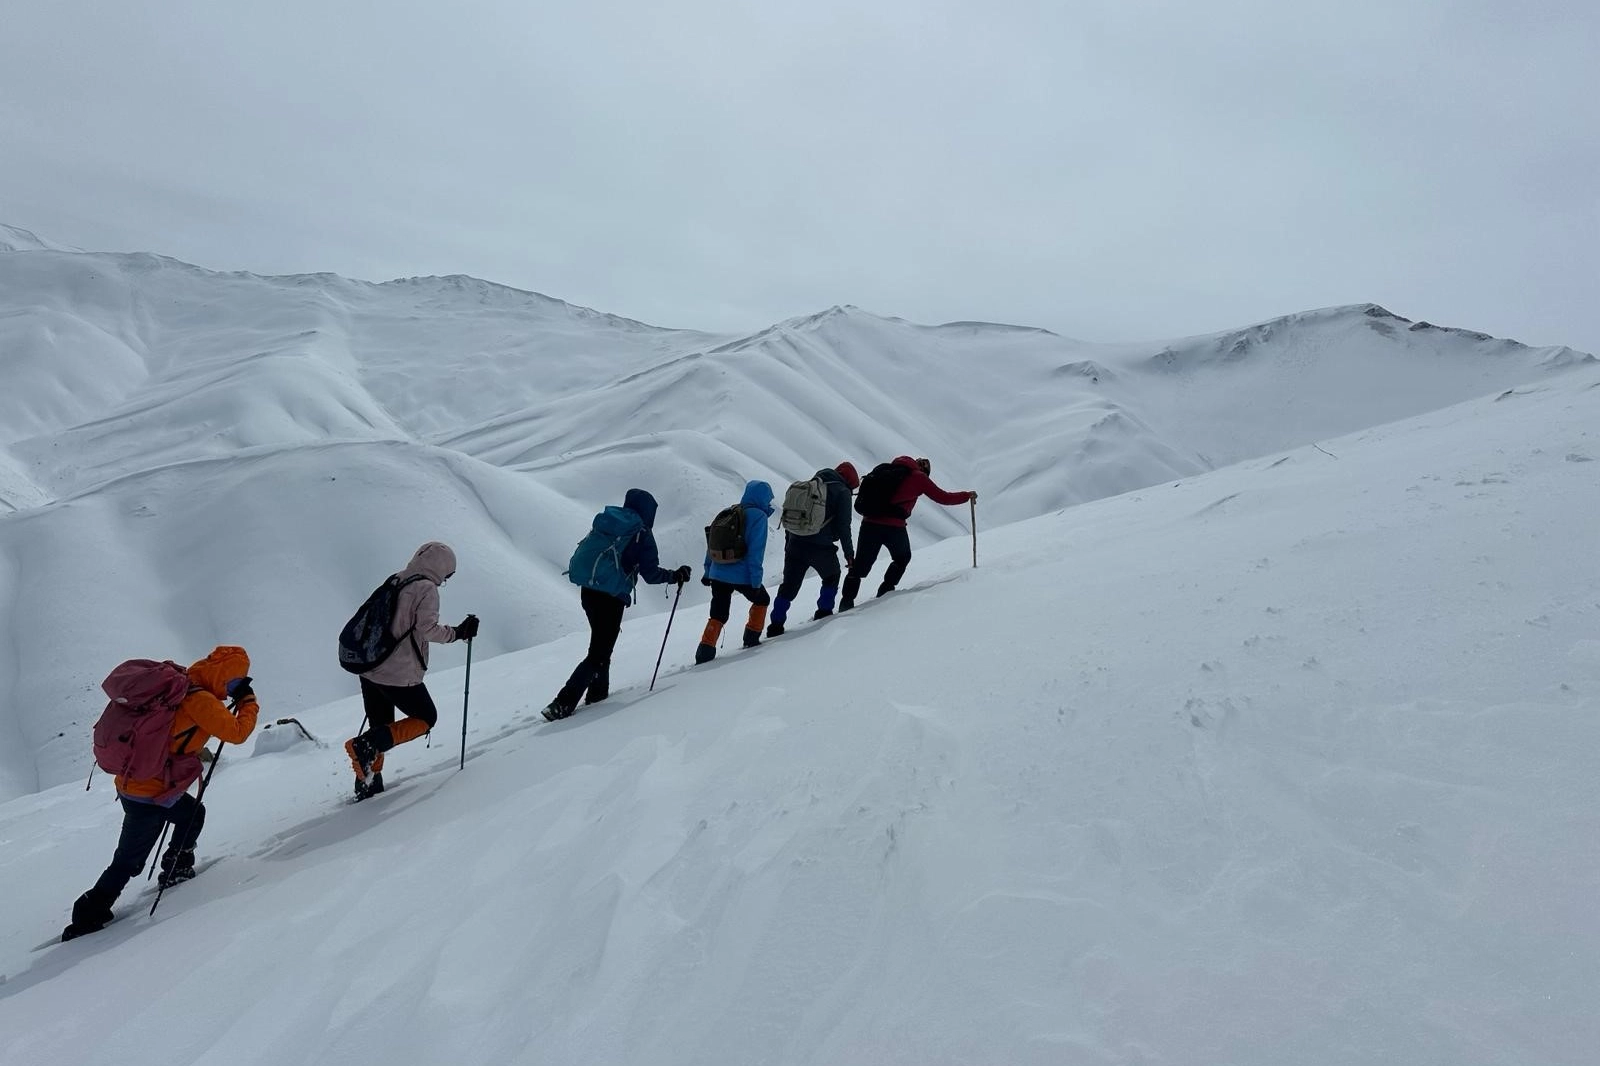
(189, 456)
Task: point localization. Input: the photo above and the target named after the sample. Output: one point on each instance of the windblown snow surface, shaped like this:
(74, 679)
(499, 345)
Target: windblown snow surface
(1282, 762)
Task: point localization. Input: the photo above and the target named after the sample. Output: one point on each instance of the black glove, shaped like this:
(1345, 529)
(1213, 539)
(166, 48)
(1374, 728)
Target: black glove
(706, 580)
(239, 688)
(468, 628)
(682, 574)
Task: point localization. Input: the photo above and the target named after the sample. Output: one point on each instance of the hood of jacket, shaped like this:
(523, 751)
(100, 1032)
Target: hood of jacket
(213, 673)
(906, 460)
(434, 560)
(757, 494)
(642, 504)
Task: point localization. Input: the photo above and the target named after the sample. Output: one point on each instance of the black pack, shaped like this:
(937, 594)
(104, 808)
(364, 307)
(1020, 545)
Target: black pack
(725, 535)
(873, 498)
(367, 640)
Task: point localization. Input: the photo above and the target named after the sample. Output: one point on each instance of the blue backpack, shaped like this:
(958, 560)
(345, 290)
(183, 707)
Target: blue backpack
(597, 561)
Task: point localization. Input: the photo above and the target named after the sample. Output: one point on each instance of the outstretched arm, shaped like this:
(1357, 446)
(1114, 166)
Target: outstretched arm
(938, 495)
(649, 561)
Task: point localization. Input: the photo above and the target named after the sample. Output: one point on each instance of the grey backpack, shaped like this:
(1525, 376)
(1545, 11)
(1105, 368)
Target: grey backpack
(805, 507)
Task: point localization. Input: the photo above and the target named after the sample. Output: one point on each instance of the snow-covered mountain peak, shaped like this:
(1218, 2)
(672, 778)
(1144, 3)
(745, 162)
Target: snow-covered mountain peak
(501, 420)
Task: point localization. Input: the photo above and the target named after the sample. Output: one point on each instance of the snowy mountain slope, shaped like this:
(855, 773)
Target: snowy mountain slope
(1282, 763)
(16, 239)
(207, 442)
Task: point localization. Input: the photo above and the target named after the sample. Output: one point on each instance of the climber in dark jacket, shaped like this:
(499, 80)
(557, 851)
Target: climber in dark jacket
(816, 551)
(604, 606)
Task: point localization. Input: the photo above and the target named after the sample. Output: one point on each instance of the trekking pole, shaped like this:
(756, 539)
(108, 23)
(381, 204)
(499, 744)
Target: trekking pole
(663, 650)
(155, 856)
(466, 693)
(90, 780)
(974, 503)
(205, 782)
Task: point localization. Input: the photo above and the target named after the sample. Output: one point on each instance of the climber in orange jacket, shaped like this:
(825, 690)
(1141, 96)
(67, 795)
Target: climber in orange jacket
(150, 803)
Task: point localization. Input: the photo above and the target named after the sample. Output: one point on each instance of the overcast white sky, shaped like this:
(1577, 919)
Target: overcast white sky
(1110, 169)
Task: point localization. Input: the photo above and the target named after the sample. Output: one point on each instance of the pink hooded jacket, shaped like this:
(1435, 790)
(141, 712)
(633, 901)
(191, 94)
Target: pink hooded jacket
(417, 611)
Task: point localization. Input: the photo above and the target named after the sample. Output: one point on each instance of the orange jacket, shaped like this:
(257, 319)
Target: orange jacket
(201, 716)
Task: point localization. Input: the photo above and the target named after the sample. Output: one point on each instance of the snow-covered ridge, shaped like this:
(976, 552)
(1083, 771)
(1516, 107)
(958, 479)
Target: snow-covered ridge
(16, 239)
(1282, 763)
(178, 445)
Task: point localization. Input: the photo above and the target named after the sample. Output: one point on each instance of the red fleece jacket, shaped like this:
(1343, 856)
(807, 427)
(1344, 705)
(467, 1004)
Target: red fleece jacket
(916, 485)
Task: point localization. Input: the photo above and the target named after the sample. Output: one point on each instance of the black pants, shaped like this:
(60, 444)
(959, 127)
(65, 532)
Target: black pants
(141, 828)
(381, 701)
(876, 535)
(798, 557)
(593, 675)
(722, 598)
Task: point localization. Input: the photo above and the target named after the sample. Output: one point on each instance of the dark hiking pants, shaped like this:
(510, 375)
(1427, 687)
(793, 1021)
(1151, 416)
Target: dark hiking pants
(593, 675)
(141, 828)
(875, 536)
(381, 702)
(798, 557)
(722, 600)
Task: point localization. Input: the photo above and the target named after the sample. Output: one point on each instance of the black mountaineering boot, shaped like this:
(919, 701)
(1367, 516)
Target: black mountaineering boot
(176, 867)
(90, 914)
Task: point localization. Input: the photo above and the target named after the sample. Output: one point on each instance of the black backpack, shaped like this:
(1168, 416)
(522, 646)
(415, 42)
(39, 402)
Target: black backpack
(366, 640)
(725, 535)
(873, 498)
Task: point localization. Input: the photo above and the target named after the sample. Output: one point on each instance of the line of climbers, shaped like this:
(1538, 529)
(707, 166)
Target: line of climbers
(161, 715)
(620, 548)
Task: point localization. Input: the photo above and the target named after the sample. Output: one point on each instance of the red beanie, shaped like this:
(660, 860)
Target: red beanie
(848, 472)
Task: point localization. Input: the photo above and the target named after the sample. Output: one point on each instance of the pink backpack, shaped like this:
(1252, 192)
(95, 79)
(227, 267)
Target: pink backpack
(133, 737)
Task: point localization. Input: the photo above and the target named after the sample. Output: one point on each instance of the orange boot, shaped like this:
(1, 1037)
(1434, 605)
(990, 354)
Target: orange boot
(752, 627)
(708, 642)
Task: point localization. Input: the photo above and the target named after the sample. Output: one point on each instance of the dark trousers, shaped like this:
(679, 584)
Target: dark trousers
(722, 598)
(593, 675)
(874, 536)
(381, 702)
(798, 557)
(141, 828)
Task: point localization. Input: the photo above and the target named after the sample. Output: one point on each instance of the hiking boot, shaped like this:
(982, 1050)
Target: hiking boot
(775, 629)
(821, 614)
(557, 709)
(375, 786)
(885, 588)
(704, 653)
(752, 638)
(595, 694)
(176, 866)
(363, 753)
(90, 914)
(178, 871)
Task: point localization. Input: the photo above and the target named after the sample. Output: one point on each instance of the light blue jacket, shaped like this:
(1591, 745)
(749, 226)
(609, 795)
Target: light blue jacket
(757, 510)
